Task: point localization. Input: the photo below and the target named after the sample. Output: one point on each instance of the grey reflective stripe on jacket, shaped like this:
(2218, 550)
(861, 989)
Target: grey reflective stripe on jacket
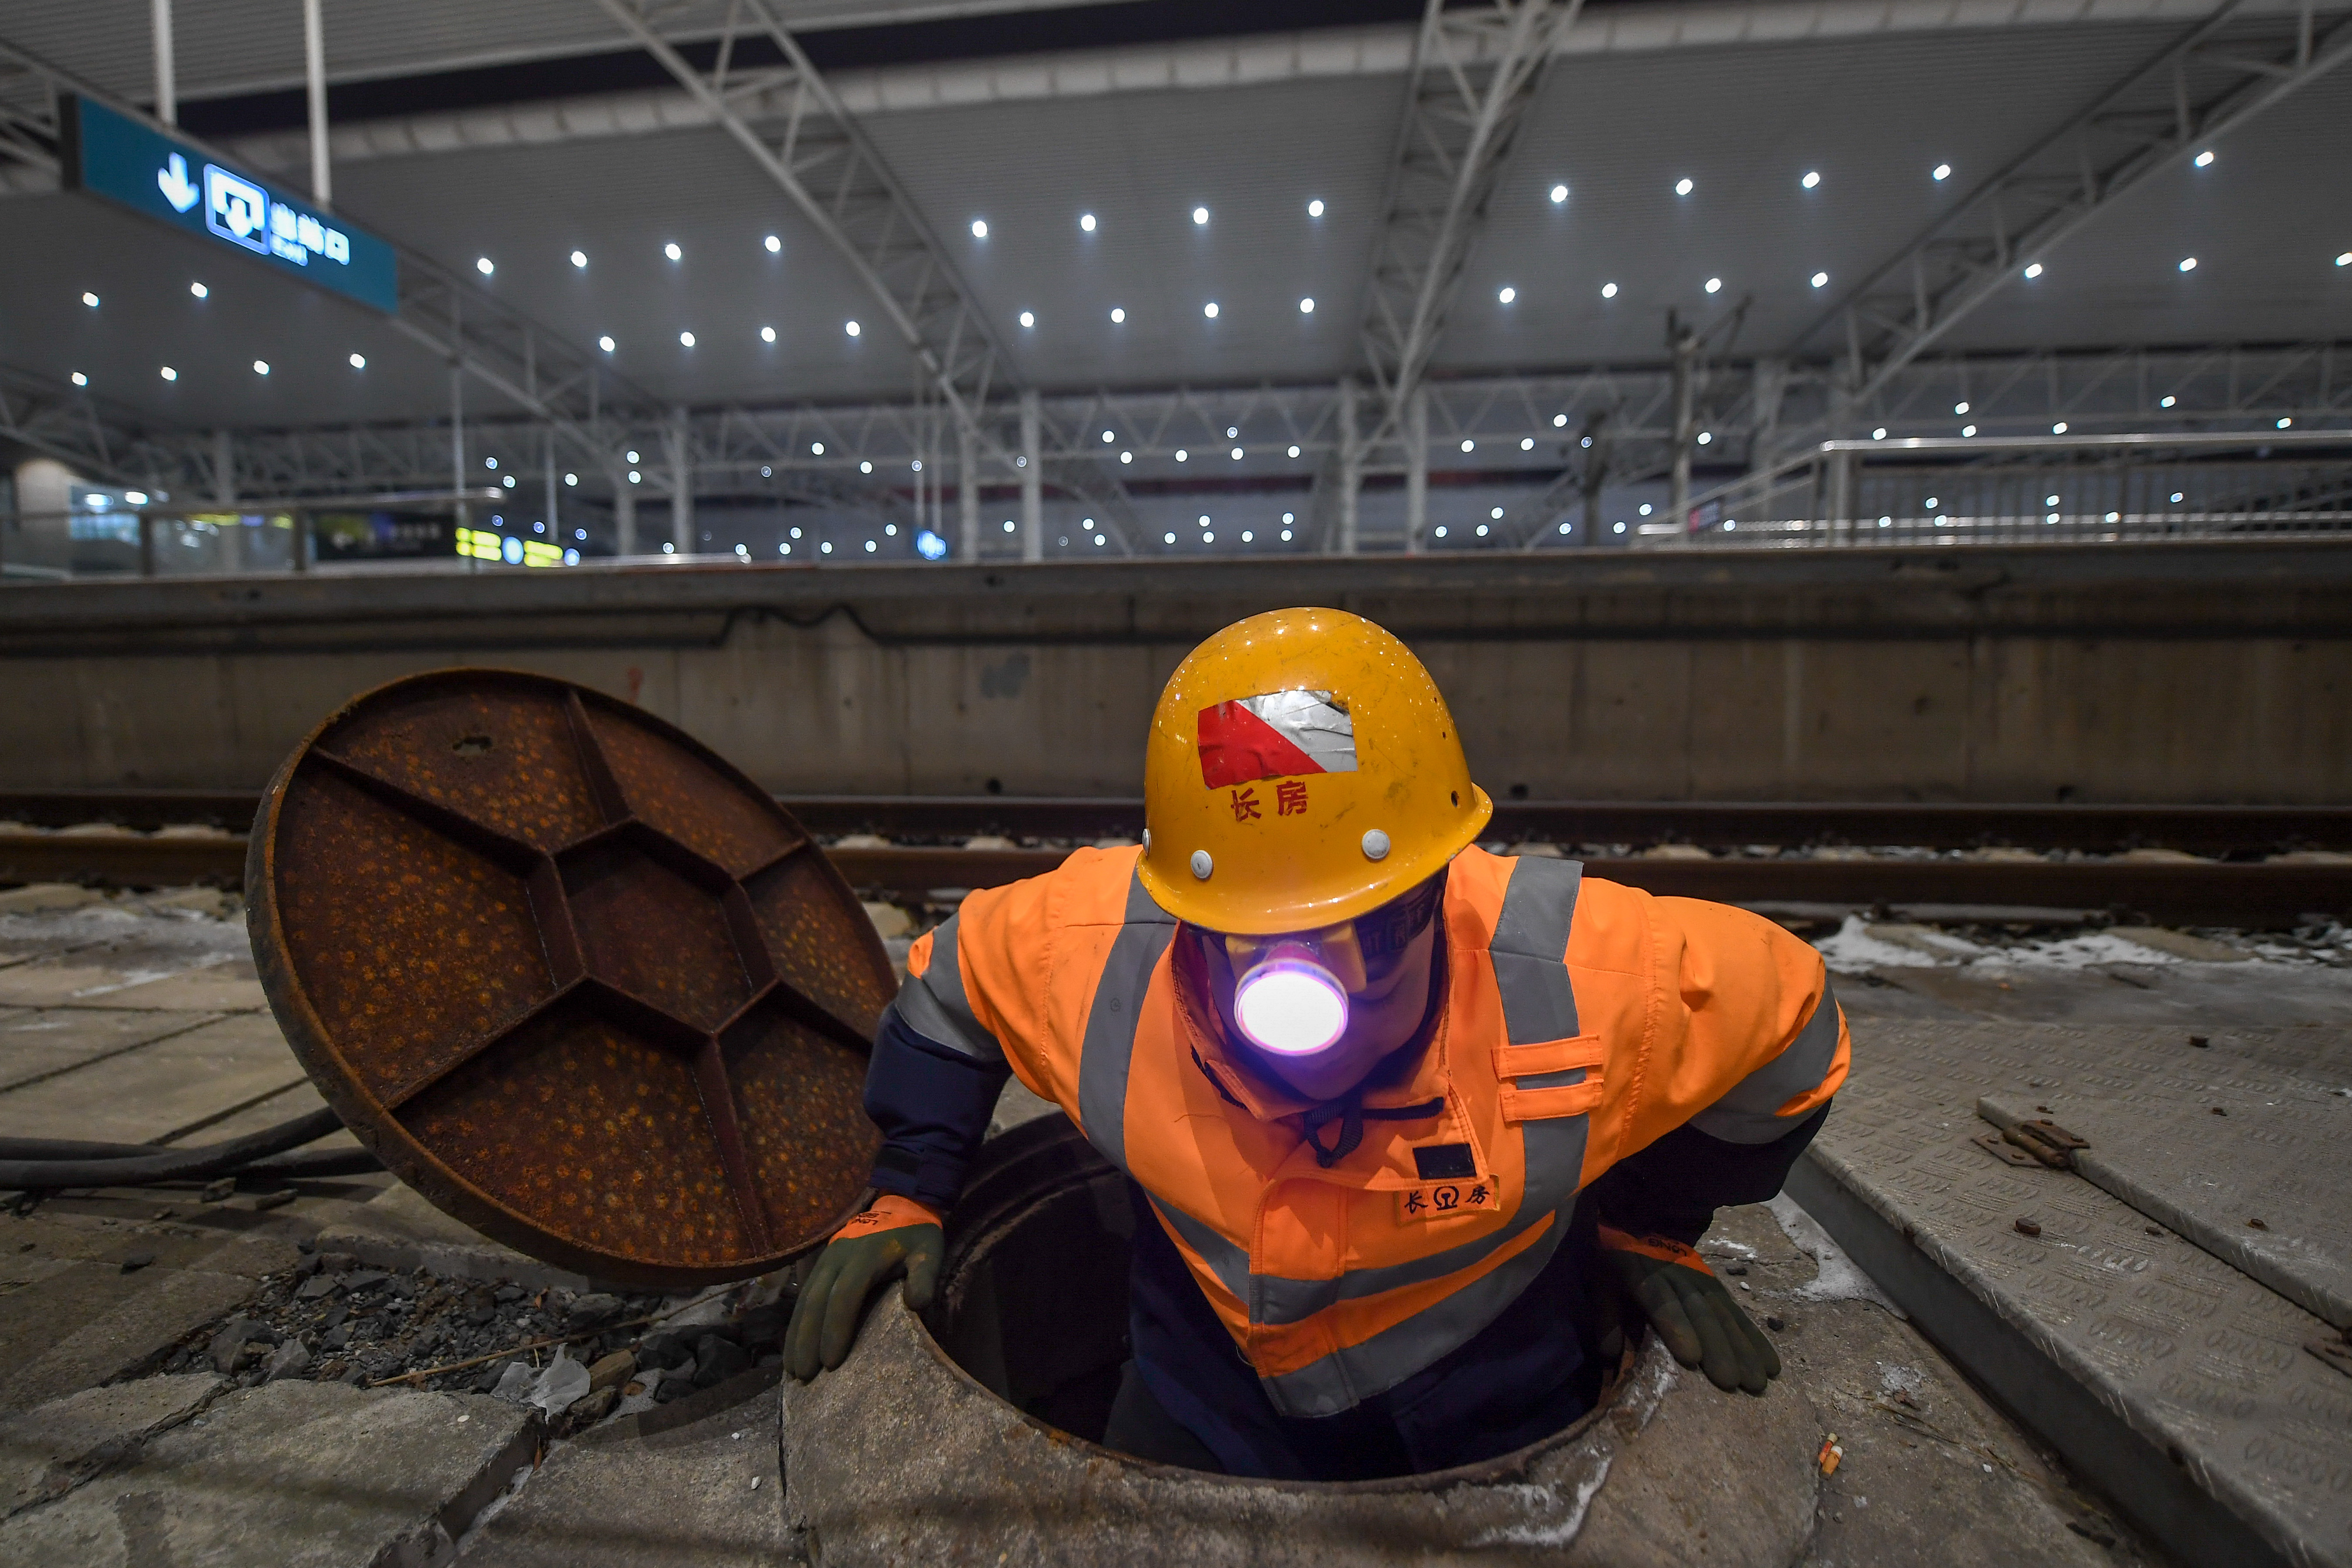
(1528, 951)
(1110, 1045)
(933, 1004)
(1746, 1113)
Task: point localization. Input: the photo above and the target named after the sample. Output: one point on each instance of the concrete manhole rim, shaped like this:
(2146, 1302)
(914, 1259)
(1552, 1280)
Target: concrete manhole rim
(1503, 1470)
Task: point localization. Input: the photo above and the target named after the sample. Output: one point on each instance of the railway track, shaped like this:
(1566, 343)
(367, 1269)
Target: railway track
(2172, 865)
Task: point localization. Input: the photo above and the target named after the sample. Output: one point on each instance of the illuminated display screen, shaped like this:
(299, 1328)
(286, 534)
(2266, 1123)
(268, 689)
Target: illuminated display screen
(116, 157)
(482, 544)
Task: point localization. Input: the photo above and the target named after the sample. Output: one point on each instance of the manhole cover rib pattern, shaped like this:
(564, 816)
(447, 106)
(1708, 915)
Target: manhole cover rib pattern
(572, 975)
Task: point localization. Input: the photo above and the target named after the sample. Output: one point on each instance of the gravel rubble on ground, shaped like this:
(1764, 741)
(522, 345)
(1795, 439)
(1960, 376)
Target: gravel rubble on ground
(332, 1318)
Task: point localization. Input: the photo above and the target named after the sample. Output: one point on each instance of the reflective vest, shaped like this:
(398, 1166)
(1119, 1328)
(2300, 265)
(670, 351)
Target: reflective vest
(1582, 1021)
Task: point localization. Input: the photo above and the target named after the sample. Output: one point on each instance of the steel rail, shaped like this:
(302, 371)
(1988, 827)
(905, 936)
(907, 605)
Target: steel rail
(2268, 894)
(2220, 830)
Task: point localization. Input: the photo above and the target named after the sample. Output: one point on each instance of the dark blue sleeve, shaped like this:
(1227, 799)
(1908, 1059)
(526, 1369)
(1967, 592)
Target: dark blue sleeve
(933, 1104)
(1673, 1187)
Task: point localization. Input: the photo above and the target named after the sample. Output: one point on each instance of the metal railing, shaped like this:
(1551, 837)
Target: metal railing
(2028, 489)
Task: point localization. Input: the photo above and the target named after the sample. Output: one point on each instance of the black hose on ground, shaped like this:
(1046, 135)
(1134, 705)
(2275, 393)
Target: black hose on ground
(45, 1163)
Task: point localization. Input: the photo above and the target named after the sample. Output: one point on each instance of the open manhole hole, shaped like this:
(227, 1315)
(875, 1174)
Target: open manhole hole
(974, 1430)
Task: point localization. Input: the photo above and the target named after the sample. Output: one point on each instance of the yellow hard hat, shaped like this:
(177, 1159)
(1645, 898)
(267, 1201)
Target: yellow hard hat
(1302, 769)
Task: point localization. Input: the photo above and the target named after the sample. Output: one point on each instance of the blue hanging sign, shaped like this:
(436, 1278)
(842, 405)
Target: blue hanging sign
(127, 161)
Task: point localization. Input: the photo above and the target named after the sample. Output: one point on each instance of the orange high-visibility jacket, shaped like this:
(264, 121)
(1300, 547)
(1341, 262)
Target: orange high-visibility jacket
(1584, 1021)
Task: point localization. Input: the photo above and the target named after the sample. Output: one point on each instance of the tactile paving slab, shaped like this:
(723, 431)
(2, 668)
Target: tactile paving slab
(571, 975)
(2204, 1363)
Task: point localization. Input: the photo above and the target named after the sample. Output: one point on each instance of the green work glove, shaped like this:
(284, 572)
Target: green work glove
(1702, 1325)
(897, 1235)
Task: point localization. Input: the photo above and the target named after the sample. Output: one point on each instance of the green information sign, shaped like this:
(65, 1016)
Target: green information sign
(126, 160)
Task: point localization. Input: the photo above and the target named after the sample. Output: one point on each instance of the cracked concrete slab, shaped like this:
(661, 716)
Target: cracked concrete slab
(650, 1492)
(48, 1451)
(302, 1475)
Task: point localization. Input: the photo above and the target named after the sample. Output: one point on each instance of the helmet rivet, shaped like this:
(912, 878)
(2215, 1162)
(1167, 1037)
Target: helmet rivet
(1375, 845)
(1147, 841)
(1203, 864)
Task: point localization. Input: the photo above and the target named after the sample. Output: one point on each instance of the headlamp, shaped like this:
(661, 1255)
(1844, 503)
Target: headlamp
(1290, 1004)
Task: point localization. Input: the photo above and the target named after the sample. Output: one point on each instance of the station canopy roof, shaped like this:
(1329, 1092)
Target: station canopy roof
(1147, 158)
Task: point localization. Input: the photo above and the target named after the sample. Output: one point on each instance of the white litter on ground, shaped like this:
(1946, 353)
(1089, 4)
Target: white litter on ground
(1854, 951)
(1837, 1276)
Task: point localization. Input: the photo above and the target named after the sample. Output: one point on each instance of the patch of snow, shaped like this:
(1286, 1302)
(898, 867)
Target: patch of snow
(2078, 952)
(1561, 1529)
(1837, 1277)
(1852, 949)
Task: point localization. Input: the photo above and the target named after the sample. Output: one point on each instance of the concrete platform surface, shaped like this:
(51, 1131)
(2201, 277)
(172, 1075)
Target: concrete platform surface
(303, 1475)
(648, 1492)
(48, 1451)
(2177, 1383)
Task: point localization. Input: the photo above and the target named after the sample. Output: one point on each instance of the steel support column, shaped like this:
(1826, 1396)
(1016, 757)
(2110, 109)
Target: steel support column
(167, 87)
(314, 65)
(1416, 469)
(1032, 482)
(967, 494)
(1684, 341)
(681, 483)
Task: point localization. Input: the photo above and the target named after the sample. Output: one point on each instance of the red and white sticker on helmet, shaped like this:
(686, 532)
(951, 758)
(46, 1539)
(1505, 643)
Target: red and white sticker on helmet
(1280, 735)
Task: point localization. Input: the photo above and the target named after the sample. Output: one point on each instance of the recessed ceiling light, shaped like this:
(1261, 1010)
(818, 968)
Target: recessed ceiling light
(1182, 455)
(198, 289)
(1086, 222)
(686, 340)
(1609, 291)
(2345, 259)
(1812, 177)
(90, 301)
(1307, 307)
(1210, 309)
(1879, 434)
(774, 244)
(579, 259)
(1941, 172)
(2166, 402)
(171, 374)
(484, 266)
(79, 379)
(1559, 195)
(767, 334)
(489, 462)
(2188, 264)
(1967, 429)
(2205, 159)
(2286, 422)
(1294, 451)
(1200, 215)
(866, 467)
(1682, 187)
(2033, 269)
(1116, 315)
(1714, 285)
(1237, 454)
(1507, 294)
(816, 448)
(1645, 508)
(359, 362)
(673, 252)
(852, 328)
(1232, 431)
(980, 228)
(1314, 207)
(1559, 420)
(1526, 443)
(261, 367)
(572, 479)
(633, 457)
(1127, 457)
(1496, 514)
(605, 343)
(1468, 446)
(1028, 318)
(1820, 279)
(1961, 407)
(1705, 437)
(2059, 429)
(1167, 539)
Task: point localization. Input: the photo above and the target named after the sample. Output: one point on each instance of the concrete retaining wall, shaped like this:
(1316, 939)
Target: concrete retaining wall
(2176, 673)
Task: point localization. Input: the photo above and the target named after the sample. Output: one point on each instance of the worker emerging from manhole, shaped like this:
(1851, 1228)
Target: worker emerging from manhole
(1408, 1124)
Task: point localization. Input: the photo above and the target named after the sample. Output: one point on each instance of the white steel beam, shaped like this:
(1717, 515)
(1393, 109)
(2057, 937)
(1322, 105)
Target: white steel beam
(2219, 74)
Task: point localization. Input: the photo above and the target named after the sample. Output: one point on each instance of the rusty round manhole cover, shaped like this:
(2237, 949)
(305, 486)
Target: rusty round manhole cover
(571, 976)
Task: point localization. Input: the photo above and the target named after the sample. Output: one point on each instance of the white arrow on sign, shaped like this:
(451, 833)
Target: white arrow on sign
(174, 183)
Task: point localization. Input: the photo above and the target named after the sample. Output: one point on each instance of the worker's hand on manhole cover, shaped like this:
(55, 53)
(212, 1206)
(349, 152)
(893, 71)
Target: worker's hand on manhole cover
(1688, 1305)
(895, 1237)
